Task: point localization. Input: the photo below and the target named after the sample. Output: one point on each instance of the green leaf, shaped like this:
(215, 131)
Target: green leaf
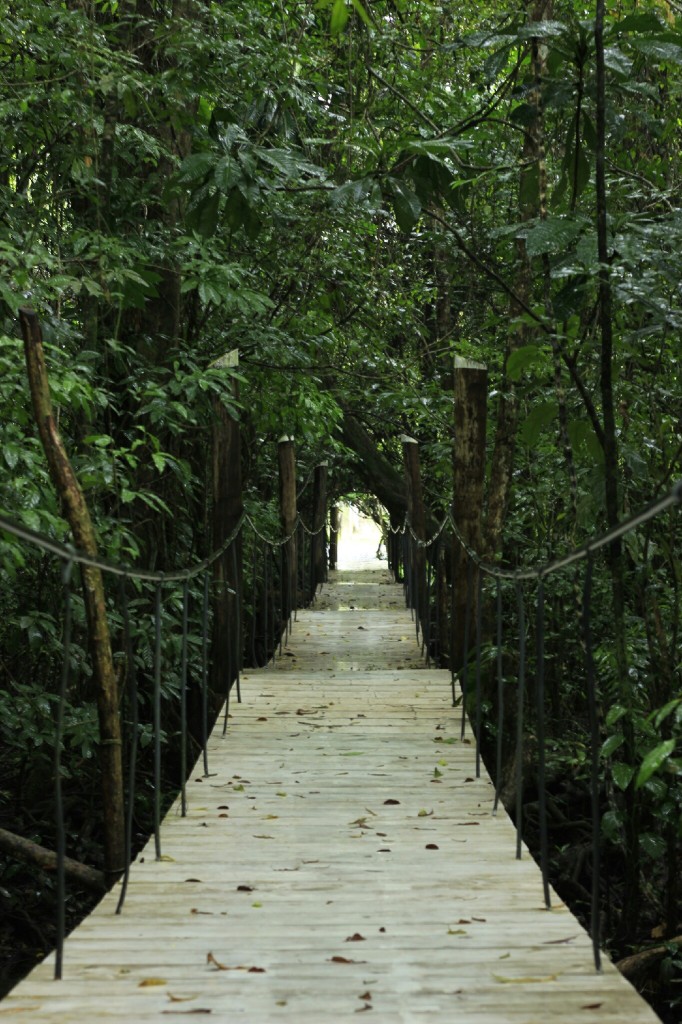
(652, 845)
(521, 358)
(406, 205)
(636, 23)
(612, 744)
(660, 49)
(362, 13)
(555, 234)
(540, 416)
(663, 712)
(340, 16)
(203, 218)
(195, 168)
(653, 761)
(615, 714)
(622, 774)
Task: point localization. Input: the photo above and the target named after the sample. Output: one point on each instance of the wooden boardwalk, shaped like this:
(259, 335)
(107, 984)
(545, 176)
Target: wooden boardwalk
(339, 859)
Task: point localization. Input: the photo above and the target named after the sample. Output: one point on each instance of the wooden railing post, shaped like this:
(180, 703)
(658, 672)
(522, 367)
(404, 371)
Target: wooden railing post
(286, 455)
(334, 517)
(468, 467)
(228, 506)
(417, 520)
(319, 540)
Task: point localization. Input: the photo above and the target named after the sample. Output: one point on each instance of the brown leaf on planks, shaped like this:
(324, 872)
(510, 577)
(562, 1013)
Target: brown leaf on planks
(591, 1006)
(356, 938)
(210, 959)
(366, 996)
(344, 960)
(151, 982)
(391, 801)
(367, 1006)
(559, 942)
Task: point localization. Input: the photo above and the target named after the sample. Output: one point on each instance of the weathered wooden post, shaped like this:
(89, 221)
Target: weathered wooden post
(468, 468)
(334, 517)
(228, 507)
(319, 539)
(417, 520)
(286, 455)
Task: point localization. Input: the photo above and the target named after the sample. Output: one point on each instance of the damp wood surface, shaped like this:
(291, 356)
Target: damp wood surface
(341, 857)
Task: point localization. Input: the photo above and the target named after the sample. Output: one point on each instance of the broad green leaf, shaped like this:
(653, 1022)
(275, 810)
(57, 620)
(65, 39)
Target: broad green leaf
(195, 168)
(652, 845)
(203, 218)
(612, 744)
(540, 416)
(521, 358)
(636, 23)
(616, 61)
(614, 715)
(340, 15)
(406, 205)
(654, 760)
(359, 9)
(660, 49)
(663, 712)
(622, 774)
(555, 234)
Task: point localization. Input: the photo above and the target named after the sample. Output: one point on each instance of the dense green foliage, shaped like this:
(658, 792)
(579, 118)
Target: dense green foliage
(351, 194)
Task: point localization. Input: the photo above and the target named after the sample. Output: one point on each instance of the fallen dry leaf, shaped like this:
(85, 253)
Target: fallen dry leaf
(150, 982)
(431, 846)
(356, 938)
(591, 1006)
(344, 960)
(176, 1013)
(391, 801)
(365, 995)
(210, 959)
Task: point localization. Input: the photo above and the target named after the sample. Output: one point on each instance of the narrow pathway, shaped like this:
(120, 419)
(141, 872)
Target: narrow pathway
(341, 858)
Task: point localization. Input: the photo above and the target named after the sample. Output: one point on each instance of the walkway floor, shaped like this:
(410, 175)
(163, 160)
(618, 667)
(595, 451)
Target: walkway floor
(339, 859)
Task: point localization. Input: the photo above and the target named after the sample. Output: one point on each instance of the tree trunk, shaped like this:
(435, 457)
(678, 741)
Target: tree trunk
(333, 536)
(319, 540)
(287, 505)
(227, 510)
(415, 511)
(468, 464)
(106, 687)
(26, 850)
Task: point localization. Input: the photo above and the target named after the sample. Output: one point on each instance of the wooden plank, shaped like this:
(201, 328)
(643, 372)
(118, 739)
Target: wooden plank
(341, 846)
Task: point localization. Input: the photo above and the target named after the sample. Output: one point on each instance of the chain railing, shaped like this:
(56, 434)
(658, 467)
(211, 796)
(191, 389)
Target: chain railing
(478, 573)
(269, 626)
